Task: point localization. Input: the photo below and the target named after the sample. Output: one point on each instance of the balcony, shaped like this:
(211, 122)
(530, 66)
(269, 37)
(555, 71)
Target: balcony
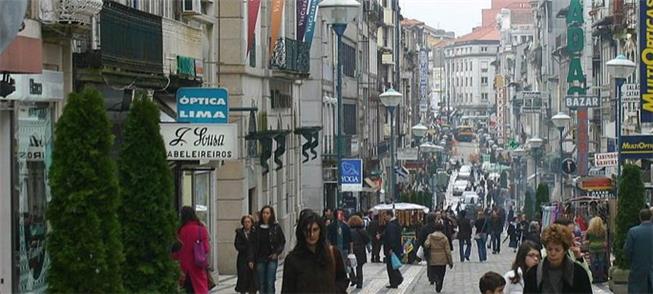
(291, 57)
(77, 12)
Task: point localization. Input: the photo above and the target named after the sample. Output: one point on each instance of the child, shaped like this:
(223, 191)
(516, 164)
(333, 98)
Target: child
(491, 283)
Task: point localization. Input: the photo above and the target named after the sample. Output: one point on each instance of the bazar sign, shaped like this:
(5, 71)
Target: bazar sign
(203, 105)
(200, 142)
(637, 147)
(582, 101)
(646, 62)
(605, 159)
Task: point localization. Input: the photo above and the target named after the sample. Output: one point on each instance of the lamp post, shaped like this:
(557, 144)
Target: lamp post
(338, 13)
(560, 120)
(619, 68)
(518, 153)
(535, 144)
(390, 100)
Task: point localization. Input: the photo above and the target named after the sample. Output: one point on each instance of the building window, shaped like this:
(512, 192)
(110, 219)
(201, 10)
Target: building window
(349, 60)
(350, 119)
(280, 100)
(484, 96)
(484, 80)
(483, 49)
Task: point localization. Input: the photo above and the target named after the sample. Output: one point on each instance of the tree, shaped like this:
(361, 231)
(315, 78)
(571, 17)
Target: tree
(147, 212)
(630, 202)
(542, 196)
(84, 239)
(529, 205)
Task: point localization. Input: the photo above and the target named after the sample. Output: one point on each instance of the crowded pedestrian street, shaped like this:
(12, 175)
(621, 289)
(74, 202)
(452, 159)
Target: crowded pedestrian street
(326, 146)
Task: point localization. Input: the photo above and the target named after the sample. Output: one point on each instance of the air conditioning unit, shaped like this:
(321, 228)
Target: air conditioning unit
(191, 7)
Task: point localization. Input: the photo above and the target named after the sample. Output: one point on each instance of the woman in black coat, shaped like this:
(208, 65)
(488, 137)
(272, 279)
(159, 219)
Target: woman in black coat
(360, 238)
(557, 273)
(246, 277)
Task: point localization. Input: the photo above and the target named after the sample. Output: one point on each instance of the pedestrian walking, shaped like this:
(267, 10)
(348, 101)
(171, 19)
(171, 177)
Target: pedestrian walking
(491, 283)
(193, 261)
(360, 239)
(574, 253)
(268, 242)
(514, 234)
(496, 227)
(374, 231)
(638, 250)
(533, 234)
(527, 257)
(313, 266)
(464, 236)
(426, 230)
(392, 245)
(339, 235)
(482, 227)
(439, 256)
(557, 273)
(246, 282)
(327, 216)
(523, 227)
(596, 239)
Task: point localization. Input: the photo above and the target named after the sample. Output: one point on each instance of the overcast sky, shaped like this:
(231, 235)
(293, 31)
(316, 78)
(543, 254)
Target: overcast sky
(459, 16)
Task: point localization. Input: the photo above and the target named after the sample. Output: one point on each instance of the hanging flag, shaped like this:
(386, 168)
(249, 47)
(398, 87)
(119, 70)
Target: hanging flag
(252, 15)
(277, 12)
(302, 14)
(310, 26)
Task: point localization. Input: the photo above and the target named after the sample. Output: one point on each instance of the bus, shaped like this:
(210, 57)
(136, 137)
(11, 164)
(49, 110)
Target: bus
(464, 134)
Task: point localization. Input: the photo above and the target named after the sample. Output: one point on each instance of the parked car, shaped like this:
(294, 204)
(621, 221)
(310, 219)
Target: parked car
(465, 172)
(459, 187)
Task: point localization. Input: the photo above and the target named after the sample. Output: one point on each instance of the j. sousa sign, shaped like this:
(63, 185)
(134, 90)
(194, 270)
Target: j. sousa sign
(200, 142)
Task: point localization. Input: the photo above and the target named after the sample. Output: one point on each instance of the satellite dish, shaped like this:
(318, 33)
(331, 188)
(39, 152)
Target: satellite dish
(12, 14)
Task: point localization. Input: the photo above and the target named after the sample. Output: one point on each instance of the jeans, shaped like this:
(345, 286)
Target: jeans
(464, 252)
(482, 251)
(267, 274)
(496, 242)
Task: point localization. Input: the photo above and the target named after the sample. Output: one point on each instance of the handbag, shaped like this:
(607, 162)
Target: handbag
(352, 260)
(420, 252)
(199, 253)
(394, 261)
(479, 236)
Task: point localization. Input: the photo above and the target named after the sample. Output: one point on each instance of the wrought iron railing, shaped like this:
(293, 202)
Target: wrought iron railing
(291, 56)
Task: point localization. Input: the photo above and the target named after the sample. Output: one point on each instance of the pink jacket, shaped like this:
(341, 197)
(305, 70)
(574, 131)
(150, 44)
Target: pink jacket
(187, 235)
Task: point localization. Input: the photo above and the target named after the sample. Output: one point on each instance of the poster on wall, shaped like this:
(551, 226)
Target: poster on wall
(200, 141)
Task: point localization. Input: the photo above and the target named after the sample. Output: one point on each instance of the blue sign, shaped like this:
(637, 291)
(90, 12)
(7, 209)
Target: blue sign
(203, 105)
(636, 147)
(351, 174)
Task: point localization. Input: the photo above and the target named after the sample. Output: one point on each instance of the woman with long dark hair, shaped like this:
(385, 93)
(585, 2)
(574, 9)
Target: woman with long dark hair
(313, 266)
(528, 256)
(191, 232)
(246, 276)
(268, 242)
(360, 238)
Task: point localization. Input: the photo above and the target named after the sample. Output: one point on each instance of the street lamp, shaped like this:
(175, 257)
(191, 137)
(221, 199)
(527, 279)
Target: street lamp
(419, 130)
(535, 143)
(518, 153)
(390, 100)
(338, 13)
(619, 68)
(560, 120)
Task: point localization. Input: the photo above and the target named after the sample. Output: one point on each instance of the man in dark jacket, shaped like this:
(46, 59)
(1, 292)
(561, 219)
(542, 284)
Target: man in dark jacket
(426, 230)
(392, 244)
(496, 226)
(638, 251)
(464, 236)
(339, 235)
(374, 231)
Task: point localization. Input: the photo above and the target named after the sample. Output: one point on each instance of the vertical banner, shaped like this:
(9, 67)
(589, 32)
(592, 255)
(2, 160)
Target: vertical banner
(582, 138)
(310, 26)
(252, 16)
(302, 17)
(277, 13)
(646, 61)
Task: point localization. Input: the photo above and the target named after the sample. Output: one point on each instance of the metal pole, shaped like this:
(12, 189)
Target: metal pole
(392, 153)
(617, 125)
(536, 162)
(562, 194)
(339, 30)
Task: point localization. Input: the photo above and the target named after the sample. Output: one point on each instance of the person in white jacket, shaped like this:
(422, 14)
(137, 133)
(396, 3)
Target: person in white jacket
(528, 256)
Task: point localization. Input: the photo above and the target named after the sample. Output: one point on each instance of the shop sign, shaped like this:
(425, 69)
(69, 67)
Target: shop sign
(351, 175)
(582, 101)
(203, 105)
(568, 166)
(200, 141)
(605, 159)
(629, 93)
(636, 147)
(646, 62)
(595, 184)
(407, 154)
(44, 87)
(386, 58)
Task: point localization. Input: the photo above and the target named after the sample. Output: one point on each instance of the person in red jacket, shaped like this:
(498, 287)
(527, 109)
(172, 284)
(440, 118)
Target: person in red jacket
(192, 231)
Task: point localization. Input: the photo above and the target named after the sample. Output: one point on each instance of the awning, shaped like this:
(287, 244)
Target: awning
(399, 206)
